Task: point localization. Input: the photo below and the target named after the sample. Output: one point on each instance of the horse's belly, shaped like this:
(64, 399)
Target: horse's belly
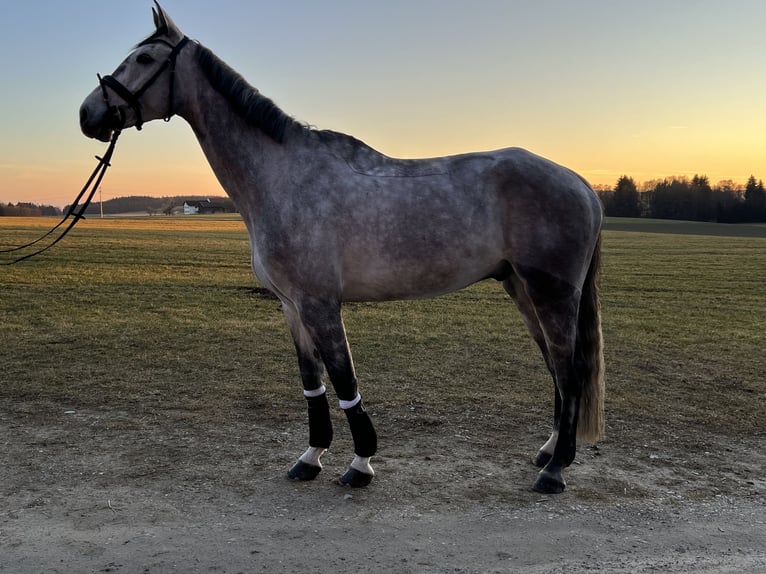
(395, 282)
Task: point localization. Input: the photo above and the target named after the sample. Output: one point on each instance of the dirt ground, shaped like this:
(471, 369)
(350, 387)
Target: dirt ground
(144, 490)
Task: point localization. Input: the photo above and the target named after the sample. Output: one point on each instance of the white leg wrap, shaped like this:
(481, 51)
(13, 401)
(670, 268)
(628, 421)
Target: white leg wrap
(348, 404)
(315, 393)
(362, 464)
(312, 455)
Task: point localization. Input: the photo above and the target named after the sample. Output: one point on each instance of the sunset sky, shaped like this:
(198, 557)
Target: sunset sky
(606, 87)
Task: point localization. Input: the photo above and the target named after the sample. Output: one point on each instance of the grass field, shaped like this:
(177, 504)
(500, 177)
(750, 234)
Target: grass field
(165, 312)
(685, 227)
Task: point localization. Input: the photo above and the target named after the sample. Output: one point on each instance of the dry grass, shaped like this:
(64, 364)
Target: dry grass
(160, 313)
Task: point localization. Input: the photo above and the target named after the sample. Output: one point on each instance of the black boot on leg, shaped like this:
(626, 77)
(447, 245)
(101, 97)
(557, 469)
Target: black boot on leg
(360, 472)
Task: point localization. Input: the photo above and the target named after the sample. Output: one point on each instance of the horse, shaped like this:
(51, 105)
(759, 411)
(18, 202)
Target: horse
(331, 220)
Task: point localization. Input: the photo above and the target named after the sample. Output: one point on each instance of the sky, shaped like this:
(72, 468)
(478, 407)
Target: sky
(647, 89)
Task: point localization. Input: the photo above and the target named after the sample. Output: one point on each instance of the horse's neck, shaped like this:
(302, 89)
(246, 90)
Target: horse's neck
(240, 155)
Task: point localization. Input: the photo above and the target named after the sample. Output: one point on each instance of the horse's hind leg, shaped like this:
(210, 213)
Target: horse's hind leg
(556, 306)
(323, 323)
(320, 425)
(515, 288)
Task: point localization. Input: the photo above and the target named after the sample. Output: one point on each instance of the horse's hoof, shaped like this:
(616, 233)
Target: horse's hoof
(541, 459)
(548, 483)
(355, 479)
(303, 472)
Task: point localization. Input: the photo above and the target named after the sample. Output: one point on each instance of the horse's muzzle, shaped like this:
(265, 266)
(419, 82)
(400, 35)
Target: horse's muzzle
(99, 122)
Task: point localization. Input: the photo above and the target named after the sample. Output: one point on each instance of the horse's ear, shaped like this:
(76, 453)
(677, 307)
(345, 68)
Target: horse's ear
(157, 23)
(164, 24)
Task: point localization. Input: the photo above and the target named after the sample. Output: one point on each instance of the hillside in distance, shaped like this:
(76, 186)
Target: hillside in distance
(136, 204)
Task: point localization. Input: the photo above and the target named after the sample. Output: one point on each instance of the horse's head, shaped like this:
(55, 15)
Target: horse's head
(141, 89)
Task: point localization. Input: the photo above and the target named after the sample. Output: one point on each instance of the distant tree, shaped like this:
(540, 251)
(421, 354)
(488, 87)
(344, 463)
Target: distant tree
(625, 201)
(23, 209)
(50, 211)
(728, 186)
(728, 201)
(669, 199)
(755, 200)
(702, 193)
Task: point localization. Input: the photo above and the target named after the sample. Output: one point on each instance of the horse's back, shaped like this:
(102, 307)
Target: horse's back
(523, 171)
(391, 228)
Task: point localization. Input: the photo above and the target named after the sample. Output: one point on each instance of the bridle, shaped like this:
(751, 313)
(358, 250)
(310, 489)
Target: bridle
(133, 99)
(76, 210)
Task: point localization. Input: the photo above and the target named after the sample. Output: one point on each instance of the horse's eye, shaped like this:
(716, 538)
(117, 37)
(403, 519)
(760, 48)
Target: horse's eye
(144, 59)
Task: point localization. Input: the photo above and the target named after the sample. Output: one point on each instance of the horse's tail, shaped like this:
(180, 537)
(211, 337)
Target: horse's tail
(590, 355)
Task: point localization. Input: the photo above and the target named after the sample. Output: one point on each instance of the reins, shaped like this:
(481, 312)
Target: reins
(76, 211)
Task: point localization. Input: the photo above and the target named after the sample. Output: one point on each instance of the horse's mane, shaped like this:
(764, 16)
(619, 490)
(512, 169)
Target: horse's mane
(247, 101)
(262, 112)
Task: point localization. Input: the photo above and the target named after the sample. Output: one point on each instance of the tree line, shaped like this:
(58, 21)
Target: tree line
(669, 198)
(690, 199)
(22, 209)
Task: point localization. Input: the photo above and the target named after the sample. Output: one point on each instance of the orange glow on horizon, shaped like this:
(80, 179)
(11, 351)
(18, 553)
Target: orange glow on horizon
(59, 185)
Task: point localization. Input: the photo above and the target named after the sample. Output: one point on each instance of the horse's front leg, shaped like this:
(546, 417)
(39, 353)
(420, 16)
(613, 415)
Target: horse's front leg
(320, 425)
(323, 322)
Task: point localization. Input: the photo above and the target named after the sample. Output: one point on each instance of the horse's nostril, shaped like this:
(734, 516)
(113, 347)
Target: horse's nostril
(83, 115)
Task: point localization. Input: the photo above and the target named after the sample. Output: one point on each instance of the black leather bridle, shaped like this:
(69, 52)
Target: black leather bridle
(76, 211)
(133, 99)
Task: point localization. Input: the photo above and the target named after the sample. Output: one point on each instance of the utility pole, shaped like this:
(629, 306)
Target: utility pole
(101, 200)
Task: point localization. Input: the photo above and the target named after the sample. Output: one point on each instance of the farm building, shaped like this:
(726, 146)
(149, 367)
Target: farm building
(205, 207)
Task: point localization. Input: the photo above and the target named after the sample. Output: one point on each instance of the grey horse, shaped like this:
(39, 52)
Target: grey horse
(332, 220)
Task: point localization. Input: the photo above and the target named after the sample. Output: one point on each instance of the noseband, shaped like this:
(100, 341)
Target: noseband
(133, 99)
